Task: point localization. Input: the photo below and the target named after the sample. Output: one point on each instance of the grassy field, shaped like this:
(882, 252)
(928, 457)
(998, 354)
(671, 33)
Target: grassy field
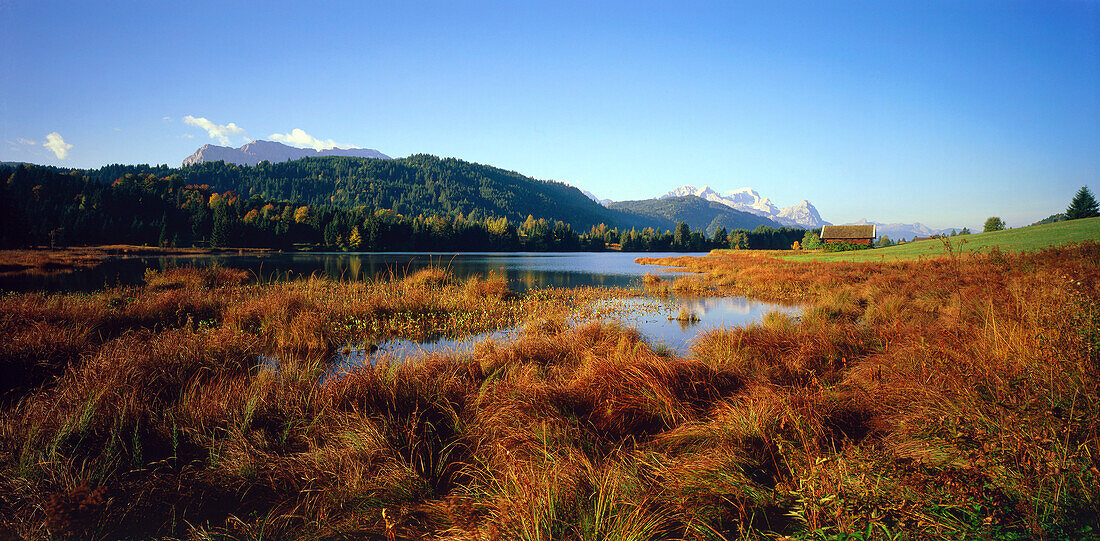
(942, 399)
(1021, 239)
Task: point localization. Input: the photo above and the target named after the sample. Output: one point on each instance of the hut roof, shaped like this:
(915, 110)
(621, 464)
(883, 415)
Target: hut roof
(848, 232)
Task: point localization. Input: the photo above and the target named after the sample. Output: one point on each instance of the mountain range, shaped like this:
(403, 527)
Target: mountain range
(698, 213)
(704, 208)
(259, 151)
(899, 231)
(749, 200)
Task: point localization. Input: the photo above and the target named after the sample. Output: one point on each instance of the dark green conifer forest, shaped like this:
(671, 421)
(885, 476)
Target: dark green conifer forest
(420, 203)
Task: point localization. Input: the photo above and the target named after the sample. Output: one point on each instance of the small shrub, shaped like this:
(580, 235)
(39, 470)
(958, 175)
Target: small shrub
(844, 246)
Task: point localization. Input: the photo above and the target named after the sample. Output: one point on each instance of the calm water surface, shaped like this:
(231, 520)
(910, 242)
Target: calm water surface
(524, 270)
(654, 318)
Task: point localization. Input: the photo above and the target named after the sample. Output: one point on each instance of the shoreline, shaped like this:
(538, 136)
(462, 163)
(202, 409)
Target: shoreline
(46, 260)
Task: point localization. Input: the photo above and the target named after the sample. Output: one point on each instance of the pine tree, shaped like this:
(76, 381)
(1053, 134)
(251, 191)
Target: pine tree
(681, 239)
(721, 237)
(221, 232)
(1083, 205)
(162, 240)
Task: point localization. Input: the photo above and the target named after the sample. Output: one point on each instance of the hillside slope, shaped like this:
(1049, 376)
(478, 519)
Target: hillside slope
(419, 184)
(1023, 239)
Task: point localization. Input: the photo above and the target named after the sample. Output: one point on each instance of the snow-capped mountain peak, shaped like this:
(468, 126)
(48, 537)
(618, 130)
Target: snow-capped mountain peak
(803, 214)
(684, 191)
(258, 151)
(749, 200)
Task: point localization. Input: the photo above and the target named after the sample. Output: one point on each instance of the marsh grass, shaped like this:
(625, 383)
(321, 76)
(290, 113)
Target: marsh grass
(41, 262)
(685, 316)
(950, 398)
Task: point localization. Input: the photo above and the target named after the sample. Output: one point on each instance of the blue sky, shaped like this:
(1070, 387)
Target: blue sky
(939, 112)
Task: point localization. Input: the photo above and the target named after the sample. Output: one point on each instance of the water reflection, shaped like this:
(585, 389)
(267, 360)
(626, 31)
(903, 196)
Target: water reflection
(658, 320)
(524, 270)
(405, 350)
(662, 321)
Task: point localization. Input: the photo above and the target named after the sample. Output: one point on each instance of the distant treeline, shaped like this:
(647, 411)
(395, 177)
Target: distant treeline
(50, 206)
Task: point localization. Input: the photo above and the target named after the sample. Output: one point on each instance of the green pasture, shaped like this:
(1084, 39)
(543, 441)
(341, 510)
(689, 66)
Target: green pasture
(1021, 239)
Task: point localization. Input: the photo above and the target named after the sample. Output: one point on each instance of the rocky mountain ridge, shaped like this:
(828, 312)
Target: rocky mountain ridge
(802, 214)
(899, 231)
(592, 196)
(259, 151)
(698, 213)
(749, 200)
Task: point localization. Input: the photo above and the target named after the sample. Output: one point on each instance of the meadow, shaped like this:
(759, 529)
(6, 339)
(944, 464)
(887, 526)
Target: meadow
(1023, 239)
(949, 396)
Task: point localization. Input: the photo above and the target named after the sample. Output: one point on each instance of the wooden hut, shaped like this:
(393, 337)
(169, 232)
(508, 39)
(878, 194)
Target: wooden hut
(933, 237)
(852, 234)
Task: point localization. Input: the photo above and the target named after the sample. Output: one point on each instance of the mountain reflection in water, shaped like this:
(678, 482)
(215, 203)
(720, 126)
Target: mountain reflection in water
(524, 270)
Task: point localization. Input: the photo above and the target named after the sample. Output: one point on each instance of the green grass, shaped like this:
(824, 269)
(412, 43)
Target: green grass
(1023, 239)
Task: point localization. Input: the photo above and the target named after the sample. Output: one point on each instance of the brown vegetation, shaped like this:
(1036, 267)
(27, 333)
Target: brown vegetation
(46, 261)
(950, 398)
(37, 261)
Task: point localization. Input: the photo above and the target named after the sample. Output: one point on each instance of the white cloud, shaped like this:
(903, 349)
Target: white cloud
(216, 131)
(25, 141)
(166, 118)
(188, 136)
(299, 138)
(57, 145)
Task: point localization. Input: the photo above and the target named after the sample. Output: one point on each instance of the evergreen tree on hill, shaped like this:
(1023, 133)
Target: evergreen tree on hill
(681, 238)
(1083, 205)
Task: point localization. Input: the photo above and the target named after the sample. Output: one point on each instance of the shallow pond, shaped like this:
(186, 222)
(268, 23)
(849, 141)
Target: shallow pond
(663, 323)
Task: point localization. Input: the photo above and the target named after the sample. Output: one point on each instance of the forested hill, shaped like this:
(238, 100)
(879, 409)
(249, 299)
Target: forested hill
(698, 213)
(330, 204)
(419, 184)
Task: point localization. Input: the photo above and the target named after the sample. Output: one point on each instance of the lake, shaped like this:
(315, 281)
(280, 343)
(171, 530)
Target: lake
(524, 270)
